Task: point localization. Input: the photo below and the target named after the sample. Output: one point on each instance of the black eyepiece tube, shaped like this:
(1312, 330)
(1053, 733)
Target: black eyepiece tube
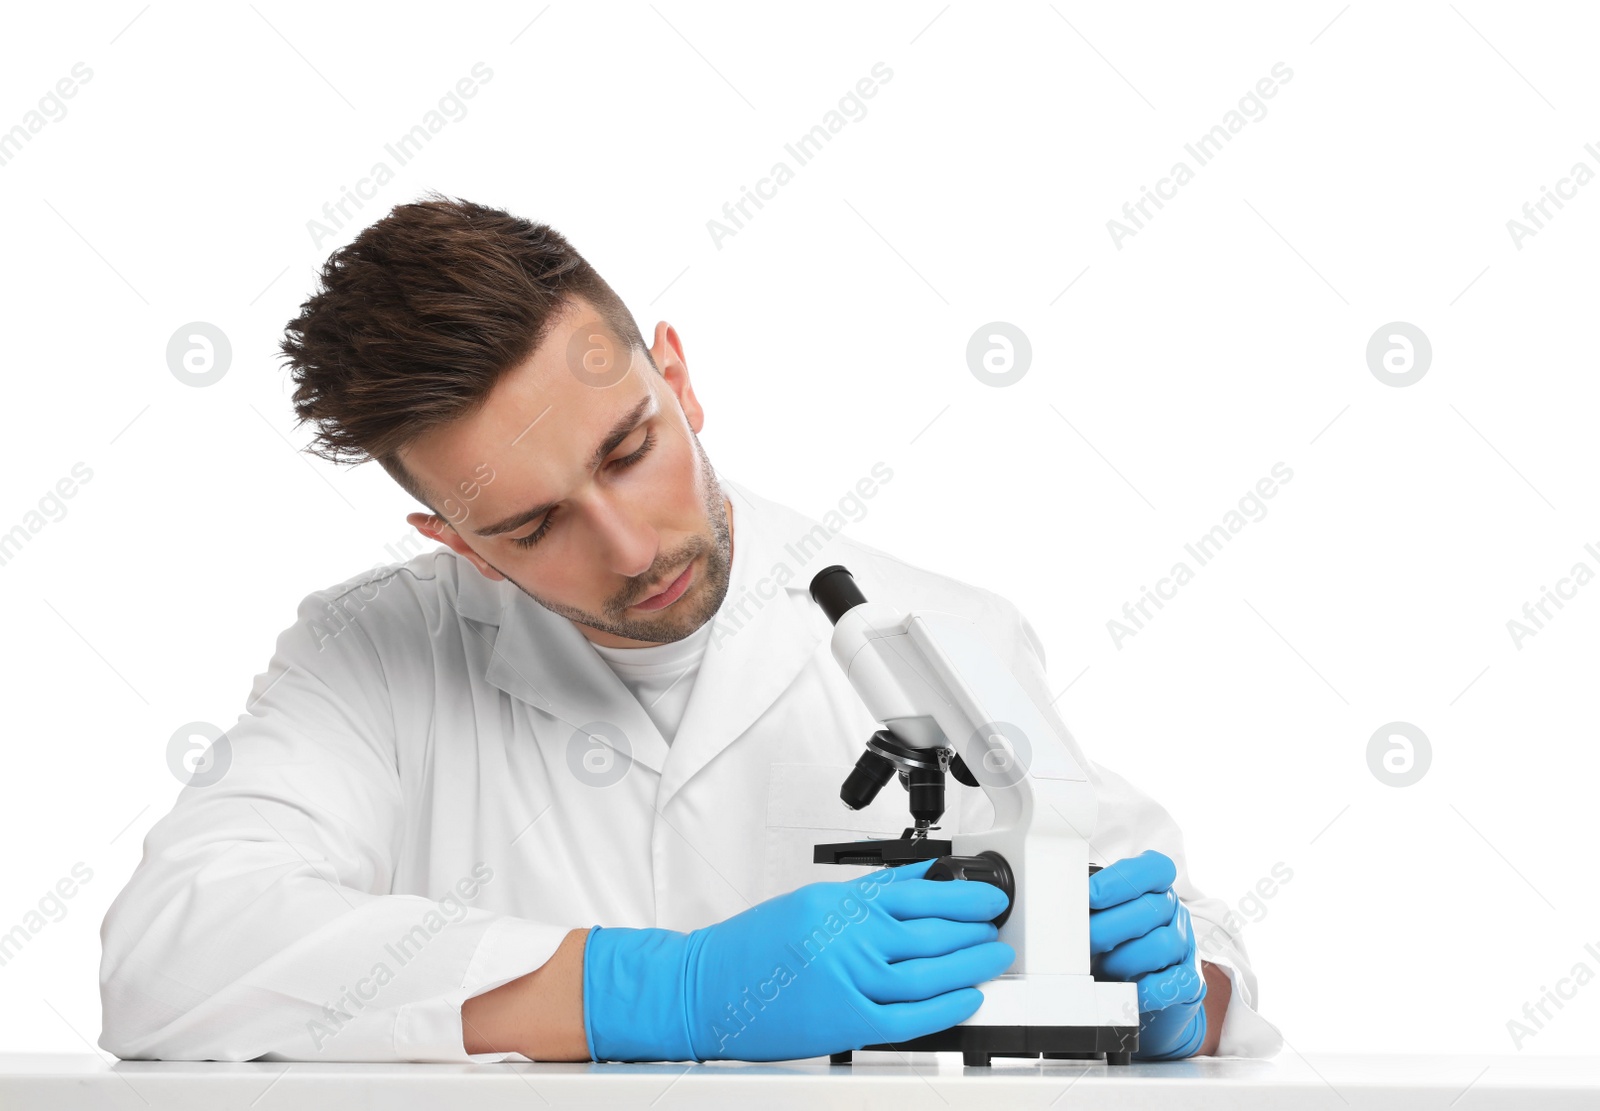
(835, 590)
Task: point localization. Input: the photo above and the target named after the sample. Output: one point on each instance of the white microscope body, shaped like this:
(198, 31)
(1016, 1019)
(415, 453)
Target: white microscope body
(941, 691)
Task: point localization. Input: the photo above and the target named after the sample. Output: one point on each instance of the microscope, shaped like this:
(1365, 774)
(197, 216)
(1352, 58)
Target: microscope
(949, 704)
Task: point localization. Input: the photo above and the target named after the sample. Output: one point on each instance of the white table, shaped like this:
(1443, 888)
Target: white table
(877, 1081)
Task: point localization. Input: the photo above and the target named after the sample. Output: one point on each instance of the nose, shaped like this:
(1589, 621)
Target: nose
(628, 543)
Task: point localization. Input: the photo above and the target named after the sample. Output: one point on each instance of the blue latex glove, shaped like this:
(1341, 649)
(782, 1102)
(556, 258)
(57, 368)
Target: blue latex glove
(821, 969)
(1139, 930)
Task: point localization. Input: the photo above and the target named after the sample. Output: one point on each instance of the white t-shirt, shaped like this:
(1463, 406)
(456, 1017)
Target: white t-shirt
(661, 675)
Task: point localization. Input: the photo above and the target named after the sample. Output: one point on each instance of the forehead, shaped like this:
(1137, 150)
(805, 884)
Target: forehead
(541, 423)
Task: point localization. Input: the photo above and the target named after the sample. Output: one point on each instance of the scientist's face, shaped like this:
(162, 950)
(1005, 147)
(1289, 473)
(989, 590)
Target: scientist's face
(584, 484)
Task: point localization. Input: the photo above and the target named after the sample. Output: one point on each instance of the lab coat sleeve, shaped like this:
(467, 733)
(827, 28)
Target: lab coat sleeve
(260, 922)
(1129, 822)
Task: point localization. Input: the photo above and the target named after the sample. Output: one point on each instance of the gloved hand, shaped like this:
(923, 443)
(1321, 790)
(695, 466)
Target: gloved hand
(1139, 930)
(824, 968)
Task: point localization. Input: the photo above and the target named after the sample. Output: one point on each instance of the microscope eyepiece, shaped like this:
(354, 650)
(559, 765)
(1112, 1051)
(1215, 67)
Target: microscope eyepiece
(835, 590)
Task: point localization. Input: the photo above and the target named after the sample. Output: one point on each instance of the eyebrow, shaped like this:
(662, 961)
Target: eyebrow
(619, 432)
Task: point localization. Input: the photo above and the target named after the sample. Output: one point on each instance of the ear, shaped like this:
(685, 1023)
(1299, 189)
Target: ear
(667, 350)
(436, 528)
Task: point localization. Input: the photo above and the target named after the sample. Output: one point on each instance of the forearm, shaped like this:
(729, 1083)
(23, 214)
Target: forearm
(1218, 990)
(539, 1015)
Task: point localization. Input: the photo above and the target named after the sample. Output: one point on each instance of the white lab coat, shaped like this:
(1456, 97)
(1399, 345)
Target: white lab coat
(406, 820)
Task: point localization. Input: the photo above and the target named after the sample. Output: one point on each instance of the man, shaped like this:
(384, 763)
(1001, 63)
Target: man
(608, 699)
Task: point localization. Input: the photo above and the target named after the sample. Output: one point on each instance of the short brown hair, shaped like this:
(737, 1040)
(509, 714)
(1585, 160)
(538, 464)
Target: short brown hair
(420, 316)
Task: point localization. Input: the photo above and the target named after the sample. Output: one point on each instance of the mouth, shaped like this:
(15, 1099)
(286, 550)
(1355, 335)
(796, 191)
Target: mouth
(669, 593)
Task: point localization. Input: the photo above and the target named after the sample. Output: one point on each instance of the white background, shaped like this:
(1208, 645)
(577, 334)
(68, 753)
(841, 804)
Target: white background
(830, 333)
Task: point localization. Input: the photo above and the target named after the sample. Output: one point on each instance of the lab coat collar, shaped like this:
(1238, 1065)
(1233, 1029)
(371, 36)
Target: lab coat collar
(765, 632)
(763, 636)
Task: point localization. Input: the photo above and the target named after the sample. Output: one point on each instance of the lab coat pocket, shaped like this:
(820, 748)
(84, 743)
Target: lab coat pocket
(804, 810)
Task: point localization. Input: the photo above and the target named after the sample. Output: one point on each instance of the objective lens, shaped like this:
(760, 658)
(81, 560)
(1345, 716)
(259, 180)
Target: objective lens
(864, 782)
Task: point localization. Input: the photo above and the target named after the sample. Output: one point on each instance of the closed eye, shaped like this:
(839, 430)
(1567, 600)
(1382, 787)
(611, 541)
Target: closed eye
(622, 464)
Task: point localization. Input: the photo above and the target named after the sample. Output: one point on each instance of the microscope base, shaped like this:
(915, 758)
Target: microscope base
(977, 1044)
